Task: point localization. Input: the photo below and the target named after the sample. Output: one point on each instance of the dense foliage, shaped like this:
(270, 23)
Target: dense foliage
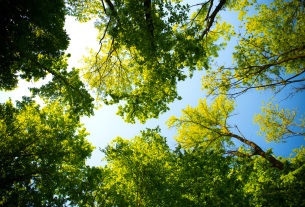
(143, 171)
(32, 46)
(145, 48)
(269, 55)
(37, 145)
(146, 45)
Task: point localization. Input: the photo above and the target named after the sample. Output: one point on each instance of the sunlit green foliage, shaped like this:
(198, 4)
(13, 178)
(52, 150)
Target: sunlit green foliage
(276, 125)
(204, 125)
(139, 168)
(36, 145)
(266, 179)
(270, 54)
(144, 48)
(143, 171)
(208, 126)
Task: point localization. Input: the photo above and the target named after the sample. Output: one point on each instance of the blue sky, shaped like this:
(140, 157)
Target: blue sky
(105, 125)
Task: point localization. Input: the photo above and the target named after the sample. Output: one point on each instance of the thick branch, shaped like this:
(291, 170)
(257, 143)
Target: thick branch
(56, 75)
(275, 163)
(258, 150)
(212, 17)
(104, 7)
(110, 5)
(240, 154)
(276, 63)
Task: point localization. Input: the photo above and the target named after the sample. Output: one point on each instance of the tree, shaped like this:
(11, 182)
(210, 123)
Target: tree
(277, 125)
(88, 186)
(206, 178)
(263, 61)
(136, 174)
(32, 45)
(270, 54)
(209, 127)
(37, 145)
(145, 172)
(144, 47)
(139, 168)
(31, 34)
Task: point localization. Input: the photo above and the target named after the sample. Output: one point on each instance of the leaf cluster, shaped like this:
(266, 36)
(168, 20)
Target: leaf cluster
(35, 145)
(144, 48)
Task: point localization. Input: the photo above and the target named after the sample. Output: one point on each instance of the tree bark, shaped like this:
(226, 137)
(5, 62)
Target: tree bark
(275, 163)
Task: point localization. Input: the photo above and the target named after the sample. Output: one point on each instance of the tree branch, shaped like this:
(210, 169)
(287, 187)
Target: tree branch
(110, 5)
(258, 151)
(44, 67)
(212, 17)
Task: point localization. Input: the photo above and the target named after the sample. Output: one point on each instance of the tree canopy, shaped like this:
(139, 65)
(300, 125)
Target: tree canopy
(269, 55)
(33, 44)
(37, 145)
(28, 40)
(145, 48)
(144, 171)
